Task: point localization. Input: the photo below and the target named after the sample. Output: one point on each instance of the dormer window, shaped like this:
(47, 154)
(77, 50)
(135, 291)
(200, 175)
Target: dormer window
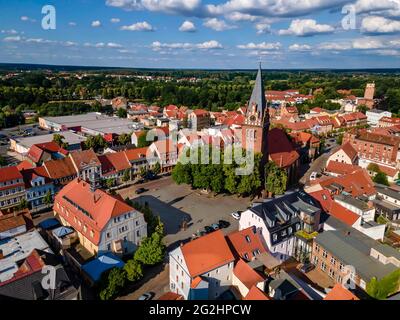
(248, 239)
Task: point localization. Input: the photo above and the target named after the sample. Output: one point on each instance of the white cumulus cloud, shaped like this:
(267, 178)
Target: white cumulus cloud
(306, 27)
(260, 46)
(207, 45)
(96, 24)
(375, 24)
(299, 47)
(115, 20)
(139, 26)
(187, 26)
(217, 25)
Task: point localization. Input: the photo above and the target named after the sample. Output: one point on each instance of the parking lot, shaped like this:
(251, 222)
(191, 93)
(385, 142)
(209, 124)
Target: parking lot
(174, 203)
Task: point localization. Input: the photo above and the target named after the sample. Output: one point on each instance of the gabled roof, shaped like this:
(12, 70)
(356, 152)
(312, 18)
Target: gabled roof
(95, 209)
(206, 253)
(256, 294)
(116, 161)
(84, 158)
(339, 292)
(247, 275)
(9, 173)
(335, 209)
(341, 168)
(280, 149)
(349, 150)
(136, 154)
(245, 242)
(61, 168)
(34, 173)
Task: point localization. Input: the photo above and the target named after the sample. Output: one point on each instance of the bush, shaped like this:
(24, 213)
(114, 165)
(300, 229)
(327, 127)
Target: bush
(381, 178)
(134, 270)
(112, 283)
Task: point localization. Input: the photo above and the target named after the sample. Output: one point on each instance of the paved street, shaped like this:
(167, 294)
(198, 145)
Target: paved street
(173, 203)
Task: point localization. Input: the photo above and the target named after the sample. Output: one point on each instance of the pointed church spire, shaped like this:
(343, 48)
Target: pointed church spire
(258, 96)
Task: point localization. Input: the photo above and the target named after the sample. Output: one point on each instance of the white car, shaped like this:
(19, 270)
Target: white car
(235, 215)
(313, 175)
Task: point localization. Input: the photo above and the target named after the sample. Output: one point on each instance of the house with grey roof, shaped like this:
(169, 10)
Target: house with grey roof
(348, 256)
(387, 202)
(278, 219)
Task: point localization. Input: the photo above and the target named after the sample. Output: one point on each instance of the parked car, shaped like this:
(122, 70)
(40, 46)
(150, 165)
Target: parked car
(141, 190)
(215, 226)
(223, 224)
(236, 215)
(208, 229)
(146, 296)
(313, 175)
(307, 267)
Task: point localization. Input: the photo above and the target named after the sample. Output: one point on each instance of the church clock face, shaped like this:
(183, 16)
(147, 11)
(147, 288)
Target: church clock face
(253, 118)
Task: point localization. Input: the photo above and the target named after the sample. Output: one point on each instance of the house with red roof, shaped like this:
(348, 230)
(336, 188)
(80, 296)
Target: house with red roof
(167, 153)
(246, 244)
(86, 163)
(306, 144)
(12, 187)
(104, 223)
(339, 292)
(114, 166)
(199, 119)
(61, 171)
(256, 294)
(245, 277)
(344, 154)
(41, 152)
(282, 152)
(199, 270)
(39, 188)
(386, 122)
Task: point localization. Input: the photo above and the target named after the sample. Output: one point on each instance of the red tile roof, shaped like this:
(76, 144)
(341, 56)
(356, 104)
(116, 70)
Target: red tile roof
(245, 241)
(61, 168)
(247, 275)
(333, 208)
(280, 149)
(201, 257)
(25, 165)
(9, 173)
(339, 292)
(341, 168)
(83, 158)
(349, 150)
(114, 162)
(30, 174)
(390, 172)
(100, 206)
(170, 296)
(256, 294)
(136, 154)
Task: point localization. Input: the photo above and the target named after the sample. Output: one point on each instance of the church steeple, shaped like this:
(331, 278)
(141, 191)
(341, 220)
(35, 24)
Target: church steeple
(257, 99)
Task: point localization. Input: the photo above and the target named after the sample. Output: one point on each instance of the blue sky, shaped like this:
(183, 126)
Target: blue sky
(203, 33)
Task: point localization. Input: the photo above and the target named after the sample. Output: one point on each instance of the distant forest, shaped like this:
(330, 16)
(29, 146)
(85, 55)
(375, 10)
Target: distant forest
(53, 91)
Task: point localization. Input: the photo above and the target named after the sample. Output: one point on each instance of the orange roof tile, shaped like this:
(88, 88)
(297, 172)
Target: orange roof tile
(99, 208)
(280, 149)
(136, 154)
(9, 173)
(201, 257)
(245, 242)
(256, 294)
(349, 150)
(61, 168)
(246, 274)
(341, 168)
(339, 292)
(83, 158)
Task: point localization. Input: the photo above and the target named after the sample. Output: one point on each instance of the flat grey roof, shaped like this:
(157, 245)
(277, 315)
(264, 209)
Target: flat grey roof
(351, 251)
(16, 249)
(70, 137)
(393, 193)
(352, 201)
(96, 122)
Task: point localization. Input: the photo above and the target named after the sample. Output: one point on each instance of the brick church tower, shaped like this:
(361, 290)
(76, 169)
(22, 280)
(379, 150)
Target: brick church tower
(256, 126)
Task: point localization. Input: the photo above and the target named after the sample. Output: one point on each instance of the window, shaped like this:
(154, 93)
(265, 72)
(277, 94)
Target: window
(108, 235)
(323, 266)
(274, 237)
(108, 247)
(333, 261)
(248, 239)
(324, 254)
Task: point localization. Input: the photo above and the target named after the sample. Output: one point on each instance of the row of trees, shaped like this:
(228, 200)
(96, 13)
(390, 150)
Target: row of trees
(150, 252)
(223, 178)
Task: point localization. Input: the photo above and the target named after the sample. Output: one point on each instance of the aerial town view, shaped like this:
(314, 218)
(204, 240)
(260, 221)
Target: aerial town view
(198, 150)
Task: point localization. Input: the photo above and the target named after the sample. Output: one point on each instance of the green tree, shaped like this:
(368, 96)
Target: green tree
(127, 175)
(275, 179)
(22, 205)
(48, 198)
(157, 168)
(124, 139)
(134, 270)
(182, 173)
(59, 139)
(110, 182)
(381, 178)
(339, 139)
(112, 283)
(151, 251)
(95, 142)
(388, 285)
(122, 113)
(142, 140)
(3, 161)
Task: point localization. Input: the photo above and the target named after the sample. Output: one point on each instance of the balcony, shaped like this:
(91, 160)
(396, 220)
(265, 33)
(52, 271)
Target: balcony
(305, 236)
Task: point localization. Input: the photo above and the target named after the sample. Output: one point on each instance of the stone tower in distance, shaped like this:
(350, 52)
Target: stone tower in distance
(256, 125)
